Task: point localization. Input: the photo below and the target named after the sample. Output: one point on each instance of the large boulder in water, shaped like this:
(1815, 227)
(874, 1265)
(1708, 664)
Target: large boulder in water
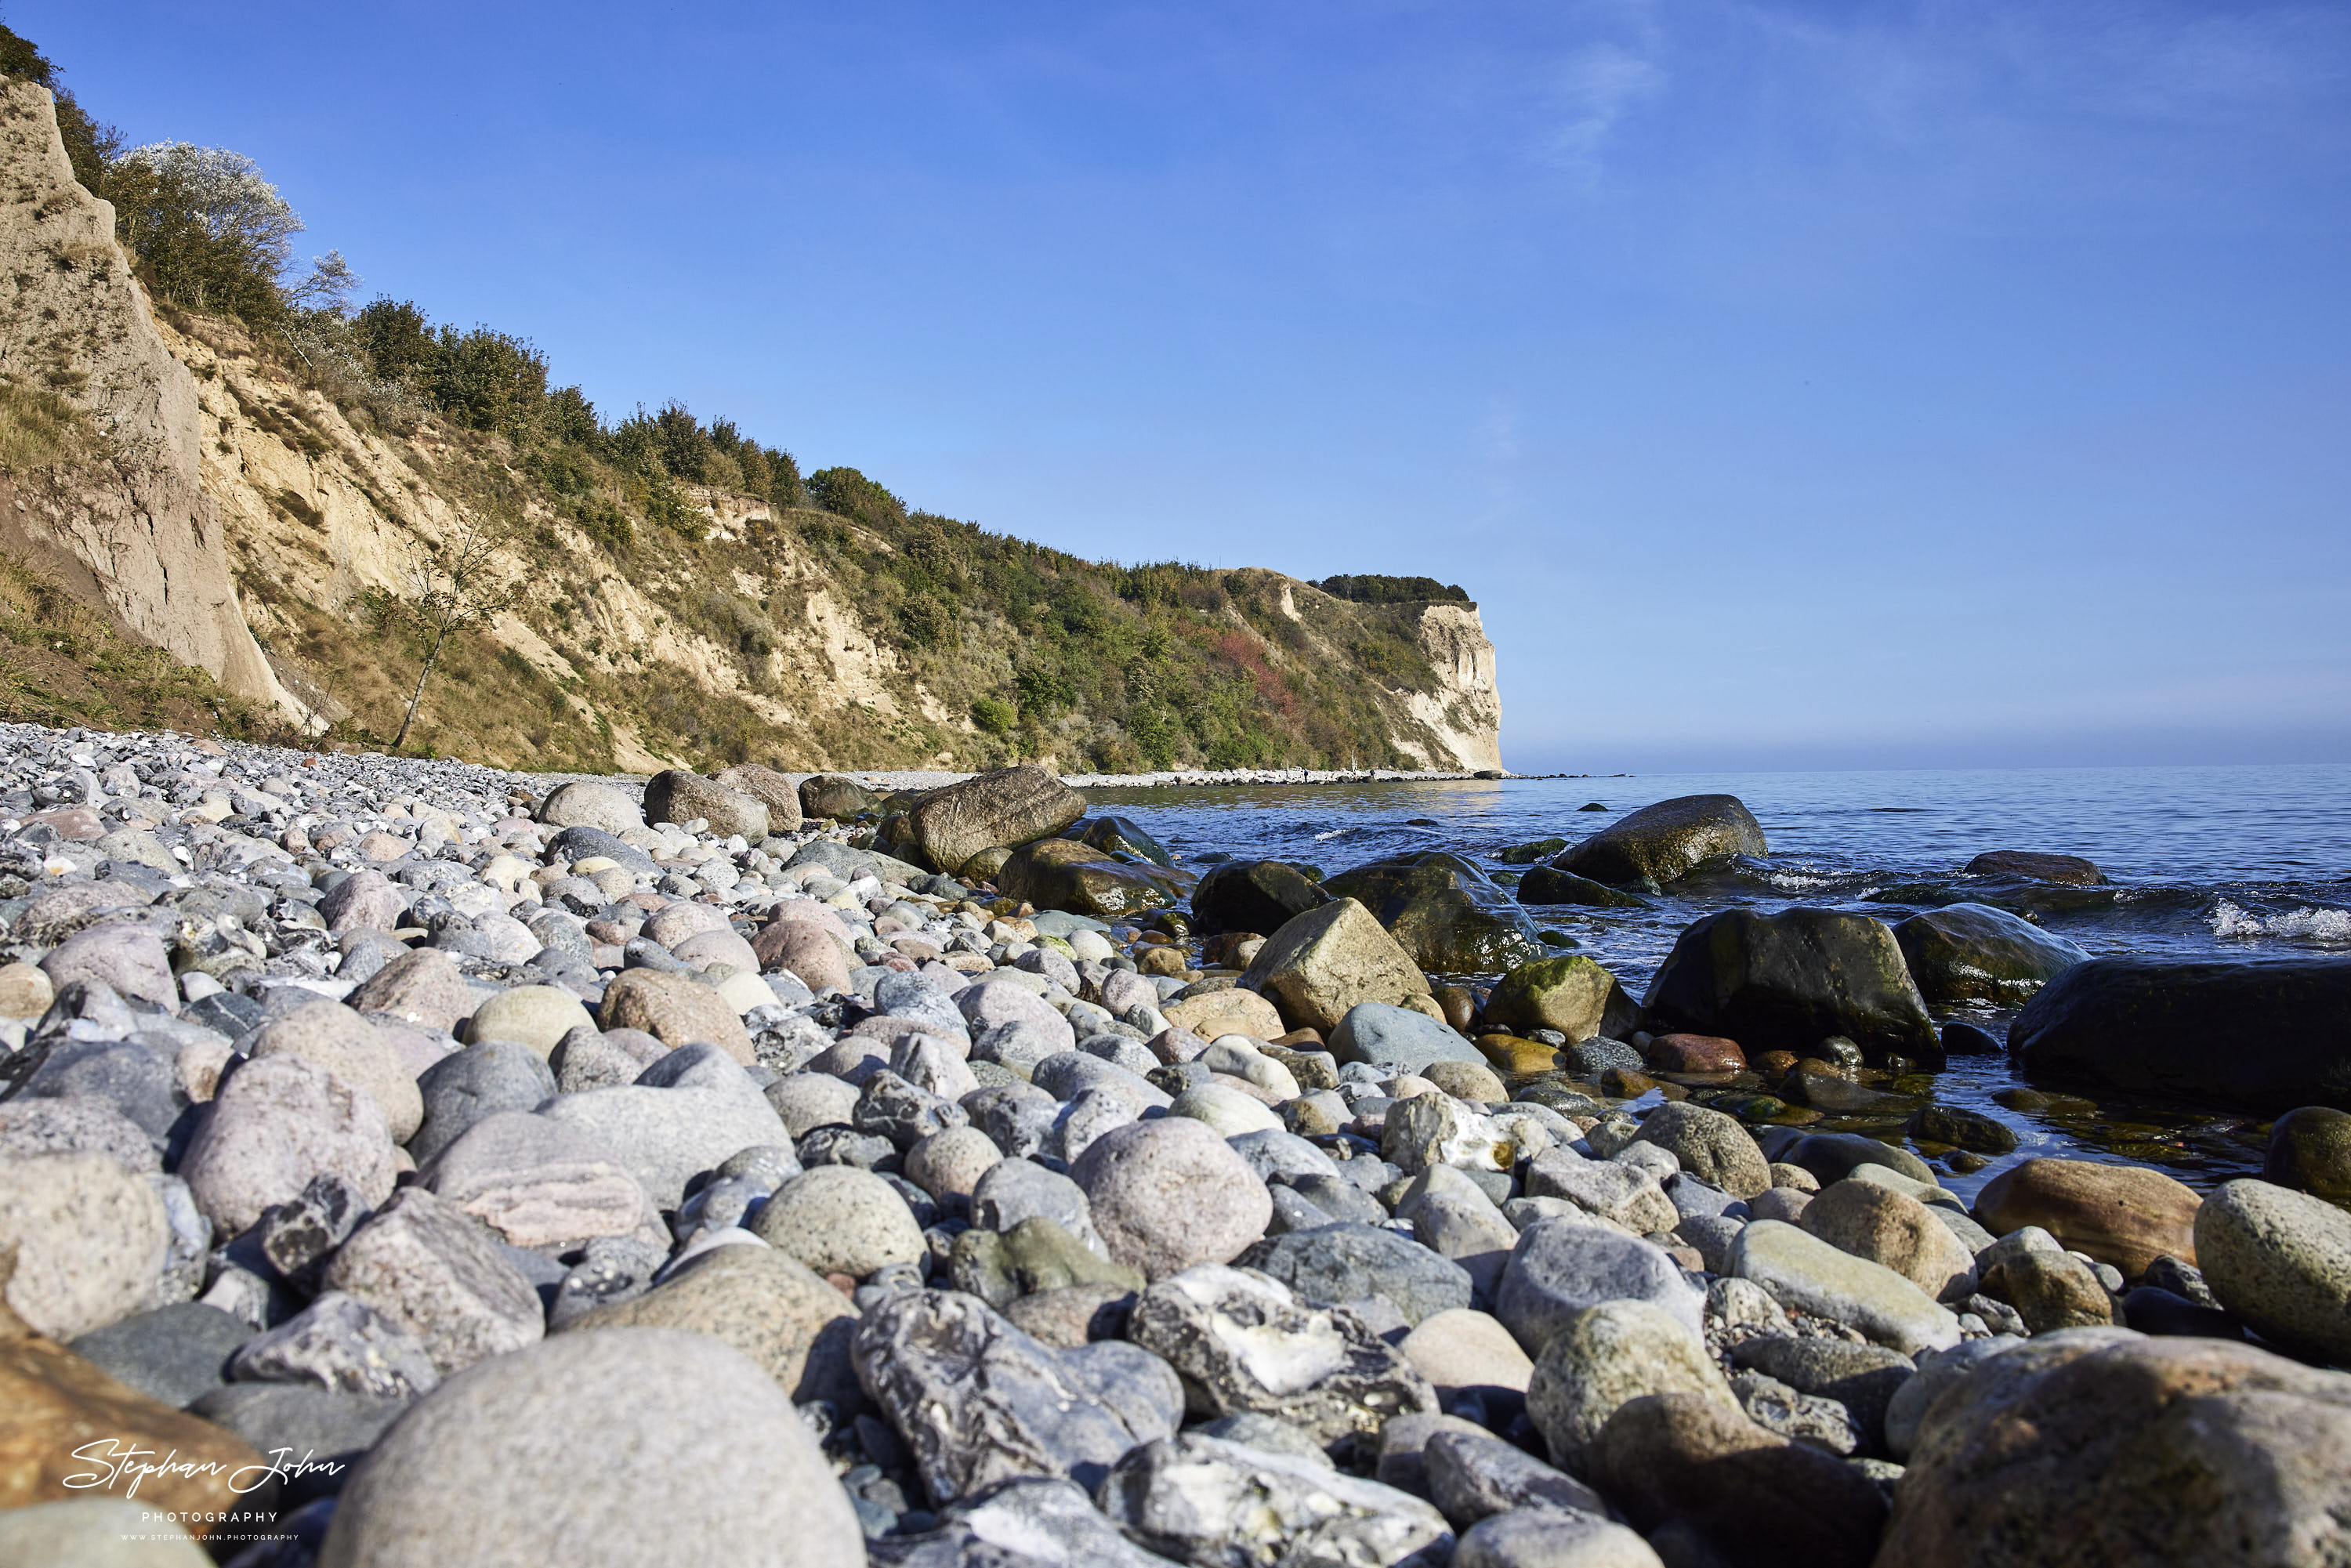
(2070, 871)
(1549, 884)
(1668, 840)
(1253, 896)
(1972, 952)
(1445, 912)
(2267, 1036)
(1062, 874)
(1121, 836)
(1789, 980)
(1003, 810)
(2098, 1446)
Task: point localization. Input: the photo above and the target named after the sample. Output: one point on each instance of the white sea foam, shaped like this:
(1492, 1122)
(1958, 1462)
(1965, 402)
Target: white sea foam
(1796, 882)
(2231, 919)
(1333, 834)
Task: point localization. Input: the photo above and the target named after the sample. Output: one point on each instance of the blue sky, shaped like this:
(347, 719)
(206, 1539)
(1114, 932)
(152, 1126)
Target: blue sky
(1794, 385)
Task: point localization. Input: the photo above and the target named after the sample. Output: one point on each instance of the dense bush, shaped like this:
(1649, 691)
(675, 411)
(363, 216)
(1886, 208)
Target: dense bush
(1392, 589)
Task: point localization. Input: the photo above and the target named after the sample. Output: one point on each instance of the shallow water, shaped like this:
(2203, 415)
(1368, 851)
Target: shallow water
(2239, 863)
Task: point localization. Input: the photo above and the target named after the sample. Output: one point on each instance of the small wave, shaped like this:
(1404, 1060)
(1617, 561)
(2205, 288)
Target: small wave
(2231, 919)
(1333, 834)
(1796, 882)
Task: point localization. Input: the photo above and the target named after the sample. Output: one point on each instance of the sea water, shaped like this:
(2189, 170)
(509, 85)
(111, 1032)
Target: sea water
(2245, 863)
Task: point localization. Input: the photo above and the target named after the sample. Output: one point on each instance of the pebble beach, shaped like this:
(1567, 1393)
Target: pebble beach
(407, 1161)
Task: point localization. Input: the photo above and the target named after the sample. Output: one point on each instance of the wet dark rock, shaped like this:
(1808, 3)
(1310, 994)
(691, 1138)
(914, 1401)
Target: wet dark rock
(2310, 1150)
(1972, 952)
(1668, 840)
(1548, 885)
(1120, 835)
(1785, 980)
(2267, 1036)
(1444, 911)
(1064, 875)
(1253, 896)
(2068, 870)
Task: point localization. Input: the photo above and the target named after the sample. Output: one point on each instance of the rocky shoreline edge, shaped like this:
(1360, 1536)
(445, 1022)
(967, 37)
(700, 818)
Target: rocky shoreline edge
(402, 1162)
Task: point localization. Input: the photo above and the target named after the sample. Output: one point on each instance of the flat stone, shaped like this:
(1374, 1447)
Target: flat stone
(1806, 1274)
(666, 1136)
(538, 1183)
(2125, 1215)
(1385, 1035)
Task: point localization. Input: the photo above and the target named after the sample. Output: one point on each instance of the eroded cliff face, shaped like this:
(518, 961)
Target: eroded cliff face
(1462, 719)
(125, 522)
(228, 509)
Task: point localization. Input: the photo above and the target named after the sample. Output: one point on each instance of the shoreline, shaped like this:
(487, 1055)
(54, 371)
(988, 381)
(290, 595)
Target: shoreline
(374, 1090)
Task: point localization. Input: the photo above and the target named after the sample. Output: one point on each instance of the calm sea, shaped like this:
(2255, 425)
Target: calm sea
(2245, 862)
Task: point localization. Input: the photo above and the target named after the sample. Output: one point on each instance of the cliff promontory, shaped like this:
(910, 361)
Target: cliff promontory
(278, 497)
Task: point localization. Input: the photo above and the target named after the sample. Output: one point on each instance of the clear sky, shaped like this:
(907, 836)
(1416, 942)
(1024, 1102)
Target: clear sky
(1793, 384)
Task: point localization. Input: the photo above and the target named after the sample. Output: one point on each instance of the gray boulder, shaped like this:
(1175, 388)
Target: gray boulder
(512, 1461)
(978, 1402)
(1200, 1500)
(1245, 1342)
